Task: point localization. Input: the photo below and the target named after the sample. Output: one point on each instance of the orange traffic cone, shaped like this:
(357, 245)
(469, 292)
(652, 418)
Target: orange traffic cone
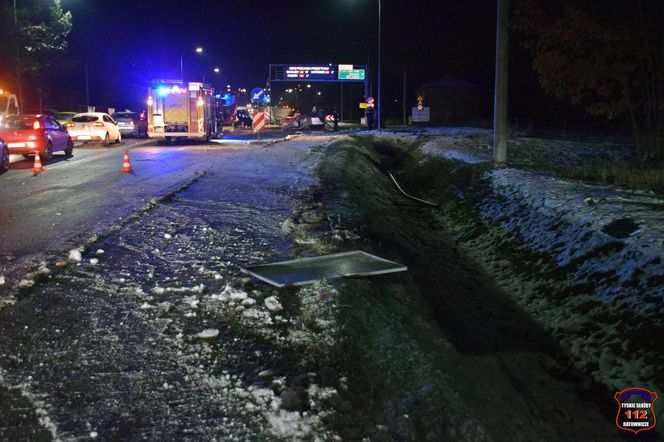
(126, 165)
(38, 165)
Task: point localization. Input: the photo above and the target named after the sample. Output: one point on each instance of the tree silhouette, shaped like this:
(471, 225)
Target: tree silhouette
(605, 56)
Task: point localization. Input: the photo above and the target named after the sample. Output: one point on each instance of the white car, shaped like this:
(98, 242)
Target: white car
(94, 126)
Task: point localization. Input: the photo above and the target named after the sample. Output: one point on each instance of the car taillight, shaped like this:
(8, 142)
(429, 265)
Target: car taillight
(69, 125)
(36, 125)
(131, 123)
(98, 124)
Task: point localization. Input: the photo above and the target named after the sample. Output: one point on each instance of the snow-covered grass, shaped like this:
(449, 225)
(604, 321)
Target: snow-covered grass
(612, 162)
(585, 259)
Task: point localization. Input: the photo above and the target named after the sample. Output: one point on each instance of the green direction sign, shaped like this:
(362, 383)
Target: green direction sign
(348, 72)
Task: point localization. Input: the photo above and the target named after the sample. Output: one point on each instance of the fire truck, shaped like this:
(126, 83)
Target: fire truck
(179, 111)
(8, 104)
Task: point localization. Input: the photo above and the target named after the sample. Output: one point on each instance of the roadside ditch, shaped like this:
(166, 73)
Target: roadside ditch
(478, 320)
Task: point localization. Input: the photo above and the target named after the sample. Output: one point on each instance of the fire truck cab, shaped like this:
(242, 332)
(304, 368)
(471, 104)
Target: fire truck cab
(179, 110)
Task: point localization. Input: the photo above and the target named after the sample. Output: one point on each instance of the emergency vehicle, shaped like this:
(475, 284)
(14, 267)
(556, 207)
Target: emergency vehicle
(8, 104)
(179, 110)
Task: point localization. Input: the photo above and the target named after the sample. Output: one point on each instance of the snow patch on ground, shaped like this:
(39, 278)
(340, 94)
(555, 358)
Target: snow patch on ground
(208, 333)
(39, 406)
(579, 225)
(451, 150)
(272, 304)
(75, 255)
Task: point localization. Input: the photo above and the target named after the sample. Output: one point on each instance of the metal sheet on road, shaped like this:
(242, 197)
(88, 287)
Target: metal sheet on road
(309, 270)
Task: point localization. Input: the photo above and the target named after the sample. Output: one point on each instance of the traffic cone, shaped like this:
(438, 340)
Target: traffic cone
(37, 168)
(126, 165)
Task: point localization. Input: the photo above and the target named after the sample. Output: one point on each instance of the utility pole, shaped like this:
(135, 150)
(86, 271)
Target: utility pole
(379, 31)
(404, 97)
(500, 127)
(19, 68)
(342, 101)
(87, 89)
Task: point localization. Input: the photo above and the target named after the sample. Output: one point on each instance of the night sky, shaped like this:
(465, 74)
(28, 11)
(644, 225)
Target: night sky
(128, 43)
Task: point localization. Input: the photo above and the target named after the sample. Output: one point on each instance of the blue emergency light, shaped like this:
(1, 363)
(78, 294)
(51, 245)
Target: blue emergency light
(229, 99)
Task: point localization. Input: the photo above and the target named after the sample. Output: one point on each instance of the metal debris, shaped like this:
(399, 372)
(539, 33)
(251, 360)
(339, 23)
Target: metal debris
(303, 271)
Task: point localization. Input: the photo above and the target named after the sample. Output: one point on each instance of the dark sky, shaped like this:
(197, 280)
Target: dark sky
(128, 43)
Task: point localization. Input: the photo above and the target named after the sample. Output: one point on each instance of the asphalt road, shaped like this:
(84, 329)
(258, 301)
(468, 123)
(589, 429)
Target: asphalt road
(77, 195)
(97, 359)
(76, 198)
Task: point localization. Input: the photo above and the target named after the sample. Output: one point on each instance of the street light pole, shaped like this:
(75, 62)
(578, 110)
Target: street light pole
(198, 51)
(379, 29)
(87, 89)
(18, 63)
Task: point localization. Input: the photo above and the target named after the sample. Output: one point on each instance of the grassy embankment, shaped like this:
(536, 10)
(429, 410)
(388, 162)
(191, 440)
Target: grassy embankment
(403, 339)
(596, 164)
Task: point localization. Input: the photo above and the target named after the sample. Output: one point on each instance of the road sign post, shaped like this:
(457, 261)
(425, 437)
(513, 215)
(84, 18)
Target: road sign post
(257, 123)
(257, 95)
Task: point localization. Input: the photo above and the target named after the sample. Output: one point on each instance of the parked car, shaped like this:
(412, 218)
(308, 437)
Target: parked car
(132, 123)
(64, 117)
(94, 126)
(242, 118)
(4, 157)
(28, 134)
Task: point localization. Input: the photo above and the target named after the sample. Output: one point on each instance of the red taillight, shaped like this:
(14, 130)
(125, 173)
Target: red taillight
(36, 125)
(98, 124)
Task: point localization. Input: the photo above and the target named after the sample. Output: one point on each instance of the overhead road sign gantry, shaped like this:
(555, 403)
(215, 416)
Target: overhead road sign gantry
(324, 72)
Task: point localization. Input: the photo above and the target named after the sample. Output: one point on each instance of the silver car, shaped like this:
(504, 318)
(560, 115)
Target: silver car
(132, 123)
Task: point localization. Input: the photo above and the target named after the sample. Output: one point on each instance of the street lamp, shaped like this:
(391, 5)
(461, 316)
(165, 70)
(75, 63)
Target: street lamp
(379, 32)
(216, 70)
(199, 50)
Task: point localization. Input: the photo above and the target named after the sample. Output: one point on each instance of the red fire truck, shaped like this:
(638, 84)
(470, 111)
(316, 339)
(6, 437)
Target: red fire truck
(179, 111)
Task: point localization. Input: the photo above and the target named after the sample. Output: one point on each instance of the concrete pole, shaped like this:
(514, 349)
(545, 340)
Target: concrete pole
(500, 127)
(403, 104)
(341, 106)
(379, 30)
